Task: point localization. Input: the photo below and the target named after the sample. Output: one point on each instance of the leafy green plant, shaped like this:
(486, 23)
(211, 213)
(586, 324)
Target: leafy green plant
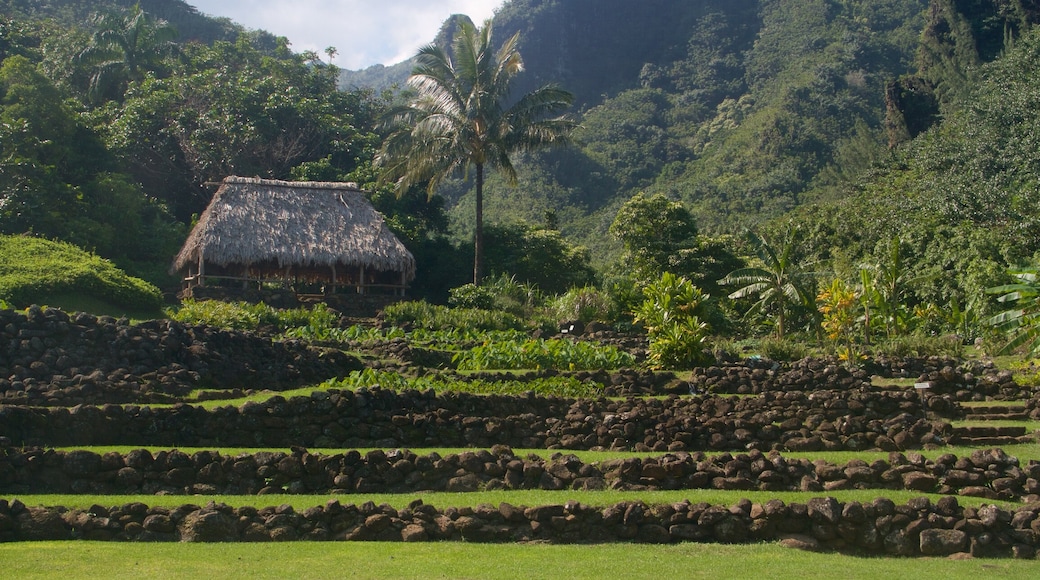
(838, 304)
(34, 270)
(472, 296)
(563, 354)
(915, 345)
(776, 281)
(670, 313)
(315, 322)
(782, 349)
(421, 314)
(558, 386)
(1023, 322)
(585, 304)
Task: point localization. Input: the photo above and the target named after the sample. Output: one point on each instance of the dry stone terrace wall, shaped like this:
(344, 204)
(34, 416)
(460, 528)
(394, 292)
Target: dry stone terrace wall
(51, 358)
(832, 420)
(964, 381)
(917, 528)
(990, 473)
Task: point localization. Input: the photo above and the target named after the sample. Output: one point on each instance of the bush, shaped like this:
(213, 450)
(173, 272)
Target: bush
(246, 316)
(33, 270)
(782, 349)
(421, 314)
(562, 354)
(678, 337)
(921, 346)
(558, 386)
(585, 304)
(472, 296)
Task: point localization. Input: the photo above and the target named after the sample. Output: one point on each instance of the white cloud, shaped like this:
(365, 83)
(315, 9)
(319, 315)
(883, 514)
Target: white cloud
(364, 32)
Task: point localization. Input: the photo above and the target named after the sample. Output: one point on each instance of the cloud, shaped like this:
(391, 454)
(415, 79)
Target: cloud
(364, 32)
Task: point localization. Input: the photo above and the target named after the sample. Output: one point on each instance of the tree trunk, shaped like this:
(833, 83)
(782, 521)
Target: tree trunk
(478, 236)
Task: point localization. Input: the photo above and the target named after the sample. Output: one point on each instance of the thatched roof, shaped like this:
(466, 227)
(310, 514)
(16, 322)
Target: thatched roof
(293, 223)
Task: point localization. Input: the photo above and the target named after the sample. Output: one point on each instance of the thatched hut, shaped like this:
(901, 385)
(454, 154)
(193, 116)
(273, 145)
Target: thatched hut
(300, 234)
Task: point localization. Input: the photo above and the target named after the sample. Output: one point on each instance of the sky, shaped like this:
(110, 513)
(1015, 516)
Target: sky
(364, 32)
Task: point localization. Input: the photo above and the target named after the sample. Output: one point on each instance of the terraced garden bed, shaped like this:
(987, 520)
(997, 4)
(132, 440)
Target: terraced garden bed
(753, 430)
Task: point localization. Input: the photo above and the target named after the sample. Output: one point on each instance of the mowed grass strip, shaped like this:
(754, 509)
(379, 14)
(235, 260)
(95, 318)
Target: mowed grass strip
(1023, 451)
(528, 498)
(456, 560)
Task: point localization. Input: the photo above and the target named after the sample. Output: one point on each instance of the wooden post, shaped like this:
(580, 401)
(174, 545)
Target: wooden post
(333, 277)
(361, 281)
(202, 268)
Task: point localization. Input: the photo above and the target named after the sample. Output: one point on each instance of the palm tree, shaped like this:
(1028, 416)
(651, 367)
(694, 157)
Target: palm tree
(776, 282)
(123, 46)
(458, 118)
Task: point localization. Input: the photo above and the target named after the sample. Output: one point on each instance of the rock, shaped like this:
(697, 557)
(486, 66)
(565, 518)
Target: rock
(414, 533)
(918, 481)
(800, 542)
(936, 542)
(824, 510)
(38, 523)
(208, 526)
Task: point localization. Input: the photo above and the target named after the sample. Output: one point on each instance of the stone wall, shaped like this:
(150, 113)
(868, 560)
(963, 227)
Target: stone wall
(797, 421)
(990, 474)
(917, 528)
(50, 358)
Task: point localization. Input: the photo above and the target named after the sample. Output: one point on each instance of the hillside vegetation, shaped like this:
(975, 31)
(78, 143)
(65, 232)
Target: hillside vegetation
(35, 271)
(891, 132)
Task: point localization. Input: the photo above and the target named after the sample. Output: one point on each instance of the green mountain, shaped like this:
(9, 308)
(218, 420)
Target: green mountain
(742, 109)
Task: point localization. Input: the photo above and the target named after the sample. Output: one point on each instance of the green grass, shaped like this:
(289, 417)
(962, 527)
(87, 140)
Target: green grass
(38, 271)
(362, 560)
(1023, 451)
(1030, 426)
(975, 404)
(472, 499)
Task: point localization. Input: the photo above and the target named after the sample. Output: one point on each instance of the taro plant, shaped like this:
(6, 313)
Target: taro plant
(421, 314)
(670, 312)
(561, 354)
(558, 386)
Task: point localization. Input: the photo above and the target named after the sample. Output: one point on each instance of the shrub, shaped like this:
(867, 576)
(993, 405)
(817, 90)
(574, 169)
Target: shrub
(558, 386)
(34, 270)
(782, 349)
(247, 316)
(472, 296)
(669, 312)
(420, 314)
(585, 304)
(560, 354)
(921, 346)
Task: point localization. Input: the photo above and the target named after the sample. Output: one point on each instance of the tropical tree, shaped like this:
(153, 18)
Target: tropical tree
(458, 117)
(123, 47)
(776, 281)
(1022, 321)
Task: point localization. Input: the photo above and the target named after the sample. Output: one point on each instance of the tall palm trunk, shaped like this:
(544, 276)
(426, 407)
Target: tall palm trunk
(478, 236)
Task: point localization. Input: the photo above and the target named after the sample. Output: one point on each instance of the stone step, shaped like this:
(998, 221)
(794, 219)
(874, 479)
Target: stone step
(995, 409)
(997, 416)
(989, 441)
(982, 431)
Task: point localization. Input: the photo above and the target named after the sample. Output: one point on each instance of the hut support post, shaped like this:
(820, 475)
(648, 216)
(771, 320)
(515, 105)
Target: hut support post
(404, 281)
(202, 268)
(361, 281)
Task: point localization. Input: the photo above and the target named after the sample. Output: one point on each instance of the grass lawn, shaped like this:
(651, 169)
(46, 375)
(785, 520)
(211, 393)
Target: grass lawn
(1023, 451)
(528, 498)
(460, 560)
